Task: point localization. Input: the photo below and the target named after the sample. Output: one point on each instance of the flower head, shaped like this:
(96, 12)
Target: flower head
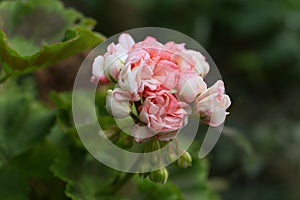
(160, 81)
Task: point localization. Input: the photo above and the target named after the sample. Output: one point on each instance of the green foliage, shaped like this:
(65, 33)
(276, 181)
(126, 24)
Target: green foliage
(150, 190)
(86, 177)
(23, 123)
(39, 33)
(25, 154)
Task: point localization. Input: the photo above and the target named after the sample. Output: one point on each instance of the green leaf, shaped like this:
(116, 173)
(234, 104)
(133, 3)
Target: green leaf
(36, 162)
(30, 172)
(13, 184)
(23, 123)
(32, 169)
(25, 153)
(86, 177)
(149, 190)
(36, 34)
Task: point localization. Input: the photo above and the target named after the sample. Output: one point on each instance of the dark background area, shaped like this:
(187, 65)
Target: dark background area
(256, 46)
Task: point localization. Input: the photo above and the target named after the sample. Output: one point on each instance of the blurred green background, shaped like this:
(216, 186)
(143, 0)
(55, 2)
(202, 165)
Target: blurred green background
(256, 45)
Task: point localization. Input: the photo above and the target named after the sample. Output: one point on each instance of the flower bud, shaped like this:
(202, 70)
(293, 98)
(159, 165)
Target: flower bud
(185, 160)
(115, 105)
(159, 176)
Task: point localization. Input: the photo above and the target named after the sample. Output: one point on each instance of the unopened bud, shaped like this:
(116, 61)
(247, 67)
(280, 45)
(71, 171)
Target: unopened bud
(159, 176)
(185, 160)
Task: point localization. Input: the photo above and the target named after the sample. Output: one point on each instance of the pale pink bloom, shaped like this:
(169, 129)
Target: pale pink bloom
(163, 112)
(166, 72)
(117, 103)
(126, 41)
(98, 71)
(174, 47)
(163, 78)
(137, 74)
(150, 43)
(129, 81)
(212, 104)
(190, 85)
(108, 66)
(155, 49)
(198, 61)
(190, 60)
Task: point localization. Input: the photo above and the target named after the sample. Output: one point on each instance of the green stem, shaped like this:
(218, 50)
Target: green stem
(158, 149)
(120, 184)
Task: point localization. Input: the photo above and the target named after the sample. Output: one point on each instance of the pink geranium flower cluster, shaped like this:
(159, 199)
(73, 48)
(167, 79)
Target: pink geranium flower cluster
(162, 82)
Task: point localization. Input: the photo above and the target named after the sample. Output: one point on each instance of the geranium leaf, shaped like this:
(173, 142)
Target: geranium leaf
(149, 190)
(85, 177)
(23, 123)
(36, 34)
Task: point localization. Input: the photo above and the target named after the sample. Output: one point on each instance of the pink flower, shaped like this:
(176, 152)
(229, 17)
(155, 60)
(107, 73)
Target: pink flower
(160, 80)
(166, 72)
(190, 85)
(163, 112)
(188, 60)
(212, 104)
(137, 74)
(173, 47)
(156, 50)
(108, 66)
(192, 60)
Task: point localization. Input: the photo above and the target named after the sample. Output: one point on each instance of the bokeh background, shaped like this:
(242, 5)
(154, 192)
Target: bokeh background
(256, 45)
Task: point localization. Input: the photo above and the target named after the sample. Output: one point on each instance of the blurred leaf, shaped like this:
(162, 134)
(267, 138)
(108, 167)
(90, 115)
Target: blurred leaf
(39, 33)
(149, 190)
(63, 102)
(30, 172)
(36, 162)
(13, 184)
(85, 177)
(25, 153)
(23, 123)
